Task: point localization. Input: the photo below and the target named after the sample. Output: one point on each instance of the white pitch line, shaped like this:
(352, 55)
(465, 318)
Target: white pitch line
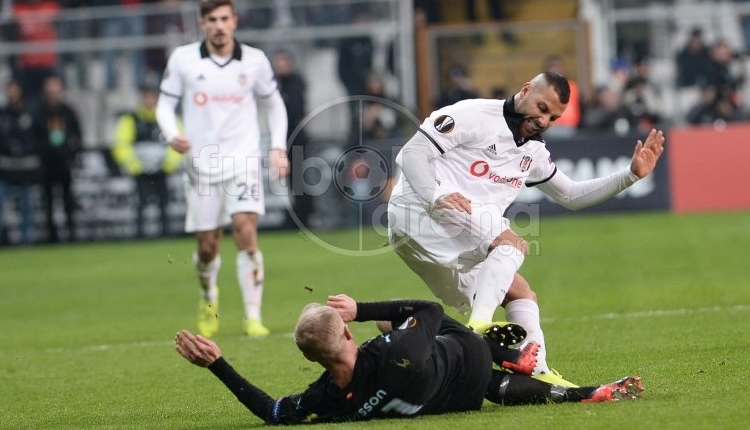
(652, 314)
(608, 316)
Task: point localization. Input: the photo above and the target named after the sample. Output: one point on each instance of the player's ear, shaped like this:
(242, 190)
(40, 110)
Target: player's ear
(525, 89)
(347, 333)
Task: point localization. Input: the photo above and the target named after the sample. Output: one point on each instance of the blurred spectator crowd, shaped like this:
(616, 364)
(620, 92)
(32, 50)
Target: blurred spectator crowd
(41, 134)
(710, 77)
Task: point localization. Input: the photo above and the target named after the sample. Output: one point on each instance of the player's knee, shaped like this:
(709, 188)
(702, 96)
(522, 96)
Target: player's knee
(508, 240)
(239, 229)
(206, 255)
(207, 250)
(245, 226)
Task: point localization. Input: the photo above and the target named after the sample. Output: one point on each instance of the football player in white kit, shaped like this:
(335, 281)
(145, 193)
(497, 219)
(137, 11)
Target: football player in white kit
(461, 171)
(222, 84)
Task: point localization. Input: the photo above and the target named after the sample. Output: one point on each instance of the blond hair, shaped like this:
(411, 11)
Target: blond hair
(319, 332)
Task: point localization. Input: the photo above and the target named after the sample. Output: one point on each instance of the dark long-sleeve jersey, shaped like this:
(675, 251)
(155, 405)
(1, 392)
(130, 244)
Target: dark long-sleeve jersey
(430, 364)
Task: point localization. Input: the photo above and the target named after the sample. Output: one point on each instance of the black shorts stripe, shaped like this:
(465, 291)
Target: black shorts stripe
(534, 184)
(435, 144)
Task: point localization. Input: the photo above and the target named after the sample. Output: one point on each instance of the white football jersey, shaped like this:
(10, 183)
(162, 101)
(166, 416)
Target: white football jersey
(480, 158)
(219, 106)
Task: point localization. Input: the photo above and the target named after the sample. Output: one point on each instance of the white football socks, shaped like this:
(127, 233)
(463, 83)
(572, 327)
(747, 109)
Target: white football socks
(526, 313)
(493, 281)
(250, 277)
(207, 275)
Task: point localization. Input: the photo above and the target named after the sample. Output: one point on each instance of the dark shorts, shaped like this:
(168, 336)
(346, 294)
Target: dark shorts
(470, 390)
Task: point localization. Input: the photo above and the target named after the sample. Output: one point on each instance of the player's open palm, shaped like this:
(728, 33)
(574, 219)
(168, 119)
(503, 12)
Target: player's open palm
(196, 349)
(647, 153)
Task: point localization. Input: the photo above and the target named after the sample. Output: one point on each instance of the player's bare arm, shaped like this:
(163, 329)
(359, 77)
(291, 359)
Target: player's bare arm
(196, 349)
(279, 163)
(180, 143)
(453, 201)
(646, 154)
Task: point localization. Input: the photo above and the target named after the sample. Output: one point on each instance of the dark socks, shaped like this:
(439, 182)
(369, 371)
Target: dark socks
(511, 389)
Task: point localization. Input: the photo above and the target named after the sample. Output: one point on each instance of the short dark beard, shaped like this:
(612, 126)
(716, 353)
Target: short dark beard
(214, 47)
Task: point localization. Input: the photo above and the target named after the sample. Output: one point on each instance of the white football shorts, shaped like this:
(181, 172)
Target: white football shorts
(445, 247)
(211, 205)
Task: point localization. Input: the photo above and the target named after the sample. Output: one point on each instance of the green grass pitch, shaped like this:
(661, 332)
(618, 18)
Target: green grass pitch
(87, 329)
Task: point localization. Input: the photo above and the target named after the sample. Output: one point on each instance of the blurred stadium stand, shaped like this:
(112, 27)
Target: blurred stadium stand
(413, 59)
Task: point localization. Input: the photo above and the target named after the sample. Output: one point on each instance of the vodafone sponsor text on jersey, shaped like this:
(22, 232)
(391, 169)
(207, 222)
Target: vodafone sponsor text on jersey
(481, 169)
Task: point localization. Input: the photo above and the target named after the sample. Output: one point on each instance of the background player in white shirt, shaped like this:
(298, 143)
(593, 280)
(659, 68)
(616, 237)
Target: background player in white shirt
(222, 84)
(461, 171)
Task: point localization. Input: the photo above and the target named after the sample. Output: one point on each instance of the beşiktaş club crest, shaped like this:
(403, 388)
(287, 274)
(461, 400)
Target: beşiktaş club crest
(444, 124)
(243, 79)
(525, 163)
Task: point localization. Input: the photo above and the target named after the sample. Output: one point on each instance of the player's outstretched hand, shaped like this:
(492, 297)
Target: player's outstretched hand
(647, 154)
(453, 201)
(196, 349)
(345, 305)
